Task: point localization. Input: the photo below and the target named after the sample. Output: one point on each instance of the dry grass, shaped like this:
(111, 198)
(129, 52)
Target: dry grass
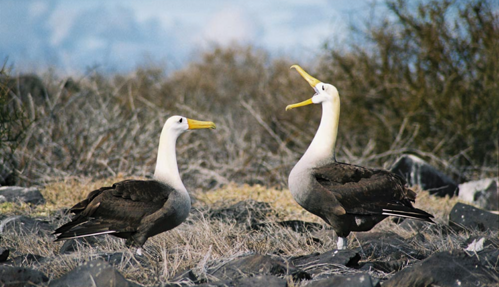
(103, 128)
(201, 241)
(281, 200)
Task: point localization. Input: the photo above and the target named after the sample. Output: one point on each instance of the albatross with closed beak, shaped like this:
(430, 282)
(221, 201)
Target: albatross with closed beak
(138, 209)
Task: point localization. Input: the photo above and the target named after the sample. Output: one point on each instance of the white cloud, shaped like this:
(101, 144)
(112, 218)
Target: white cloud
(38, 8)
(231, 25)
(73, 35)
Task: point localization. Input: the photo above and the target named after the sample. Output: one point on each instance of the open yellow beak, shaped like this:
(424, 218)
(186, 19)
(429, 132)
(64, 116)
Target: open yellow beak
(311, 80)
(300, 104)
(193, 124)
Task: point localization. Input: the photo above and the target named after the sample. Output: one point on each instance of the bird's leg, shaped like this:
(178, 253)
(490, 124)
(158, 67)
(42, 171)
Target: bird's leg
(342, 243)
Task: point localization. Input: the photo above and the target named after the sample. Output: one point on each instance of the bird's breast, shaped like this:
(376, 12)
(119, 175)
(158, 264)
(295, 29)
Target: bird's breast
(181, 206)
(299, 183)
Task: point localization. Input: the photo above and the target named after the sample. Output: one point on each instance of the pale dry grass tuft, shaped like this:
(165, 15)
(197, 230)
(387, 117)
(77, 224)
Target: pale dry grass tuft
(201, 242)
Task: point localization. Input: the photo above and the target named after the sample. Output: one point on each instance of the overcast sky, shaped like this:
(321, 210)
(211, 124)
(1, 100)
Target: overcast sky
(118, 35)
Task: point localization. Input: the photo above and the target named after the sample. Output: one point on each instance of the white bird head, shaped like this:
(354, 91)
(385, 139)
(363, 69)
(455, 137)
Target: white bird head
(323, 92)
(166, 163)
(179, 124)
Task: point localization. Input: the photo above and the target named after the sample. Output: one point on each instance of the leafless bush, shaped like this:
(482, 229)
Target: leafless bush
(424, 82)
(430, 67)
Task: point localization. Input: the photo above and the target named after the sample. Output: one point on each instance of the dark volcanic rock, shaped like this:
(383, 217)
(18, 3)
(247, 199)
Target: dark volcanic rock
(258, 264)
(454, 268)
(130, 259)
(483, 193)
(489, 257)
(418, 172)
(94, 273)
(248, 212)
(267, 281)
(385, 266)
(316, 263)
(414, 225)
(355, 280)
(467, 217)
(16, 193)
(19, 276)
(4, 254)
(26, 259)
(257, 281)
(72, 245)
(386, 245)
(247, 266)
(24, 225)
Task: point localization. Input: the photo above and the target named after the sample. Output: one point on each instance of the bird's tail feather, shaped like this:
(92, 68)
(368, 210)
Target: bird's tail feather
(413, 213)
(82, 230)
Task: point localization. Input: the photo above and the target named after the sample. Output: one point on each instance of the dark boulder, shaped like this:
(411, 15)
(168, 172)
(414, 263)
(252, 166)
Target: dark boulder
(256, 281)
(418, 172)
(4, 254)
(385, 266)
(353, 280)
(21, 224)
(13, 276)
(414, 225)
(94, 273)
(386, 246)
(30, 195)
(130, 260)
(316, 263)
(242, 267)
(455, 268)
(26, 259)
(267, 281)
(73, 245)
(467, 217)
(258, 264)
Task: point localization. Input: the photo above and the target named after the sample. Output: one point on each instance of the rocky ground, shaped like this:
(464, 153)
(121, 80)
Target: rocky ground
(374, 258)
(263, 242)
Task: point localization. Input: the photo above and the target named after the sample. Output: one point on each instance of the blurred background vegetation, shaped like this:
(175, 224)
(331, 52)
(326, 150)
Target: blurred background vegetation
(422, 80)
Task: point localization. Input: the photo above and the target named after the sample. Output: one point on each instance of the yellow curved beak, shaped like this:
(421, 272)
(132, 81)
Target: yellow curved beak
(193, 124)
(300, 104)
(311, 80)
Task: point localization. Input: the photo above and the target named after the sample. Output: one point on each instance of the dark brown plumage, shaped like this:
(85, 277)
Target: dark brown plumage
(130, 209)
(355, 198)
(138, 209)
(348, 197)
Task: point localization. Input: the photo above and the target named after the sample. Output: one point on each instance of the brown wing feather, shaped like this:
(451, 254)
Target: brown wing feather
(361, 190)
(119, 208)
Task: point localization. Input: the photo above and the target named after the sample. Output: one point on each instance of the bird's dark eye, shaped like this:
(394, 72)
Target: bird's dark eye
(180, 120)
(323, 88)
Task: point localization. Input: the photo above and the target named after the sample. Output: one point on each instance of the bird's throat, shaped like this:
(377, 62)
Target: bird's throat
(166, 164)
(322, 148)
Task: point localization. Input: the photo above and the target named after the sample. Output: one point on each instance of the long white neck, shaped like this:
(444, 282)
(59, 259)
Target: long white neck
(166, 163)
(322, 148)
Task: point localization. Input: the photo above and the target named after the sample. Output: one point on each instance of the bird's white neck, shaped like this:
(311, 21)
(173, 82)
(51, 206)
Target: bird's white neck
(166, 163)
(322, 148)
